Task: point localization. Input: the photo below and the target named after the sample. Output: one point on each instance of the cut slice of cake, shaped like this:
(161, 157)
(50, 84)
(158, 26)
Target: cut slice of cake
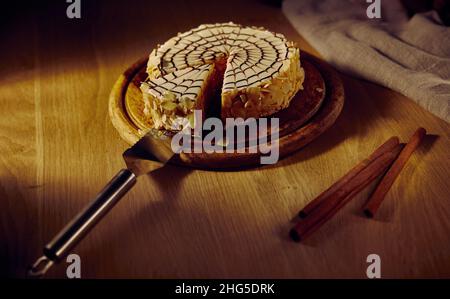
(177, 95)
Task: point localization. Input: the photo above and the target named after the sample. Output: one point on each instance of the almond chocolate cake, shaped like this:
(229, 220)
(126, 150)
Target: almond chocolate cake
(257, 73)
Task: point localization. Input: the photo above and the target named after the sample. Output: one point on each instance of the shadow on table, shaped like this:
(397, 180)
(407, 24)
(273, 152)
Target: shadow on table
(27, 224)
(149, 209)
(32, 216)
(357, 116)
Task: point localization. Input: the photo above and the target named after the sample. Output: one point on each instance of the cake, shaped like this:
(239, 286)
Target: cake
(256, 72)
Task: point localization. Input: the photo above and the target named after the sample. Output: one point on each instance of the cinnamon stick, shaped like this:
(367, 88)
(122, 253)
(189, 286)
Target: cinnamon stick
(388, 180)
(342, 195)
(385, 147)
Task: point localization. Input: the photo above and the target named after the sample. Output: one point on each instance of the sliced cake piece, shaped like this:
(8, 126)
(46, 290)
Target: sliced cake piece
(178, 94)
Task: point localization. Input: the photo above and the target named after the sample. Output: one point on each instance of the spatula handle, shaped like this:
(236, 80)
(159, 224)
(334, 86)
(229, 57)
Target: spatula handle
(80, 226)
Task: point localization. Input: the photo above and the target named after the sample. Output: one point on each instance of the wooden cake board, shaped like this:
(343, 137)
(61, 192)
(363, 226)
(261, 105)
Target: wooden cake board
(311, 112)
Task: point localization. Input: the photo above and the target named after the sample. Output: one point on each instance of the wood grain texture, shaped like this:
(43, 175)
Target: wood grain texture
(59, 148)
(299, 124)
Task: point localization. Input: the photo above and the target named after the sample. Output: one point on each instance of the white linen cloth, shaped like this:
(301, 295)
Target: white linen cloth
(411, 56)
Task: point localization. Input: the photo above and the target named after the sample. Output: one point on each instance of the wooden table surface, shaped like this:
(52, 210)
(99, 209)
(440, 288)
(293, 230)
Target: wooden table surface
(58, 148)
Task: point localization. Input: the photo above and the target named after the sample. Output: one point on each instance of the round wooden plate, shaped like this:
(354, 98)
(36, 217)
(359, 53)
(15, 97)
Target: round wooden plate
(312, 111)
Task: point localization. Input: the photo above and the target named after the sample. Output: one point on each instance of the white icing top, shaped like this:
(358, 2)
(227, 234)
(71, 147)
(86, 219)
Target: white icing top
(184, 83)
(253, 55)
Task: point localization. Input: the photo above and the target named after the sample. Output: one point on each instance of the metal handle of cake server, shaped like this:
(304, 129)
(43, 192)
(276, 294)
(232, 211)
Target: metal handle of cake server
(83, 223)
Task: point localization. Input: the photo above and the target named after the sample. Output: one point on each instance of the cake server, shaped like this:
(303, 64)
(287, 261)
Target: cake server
(150, 153)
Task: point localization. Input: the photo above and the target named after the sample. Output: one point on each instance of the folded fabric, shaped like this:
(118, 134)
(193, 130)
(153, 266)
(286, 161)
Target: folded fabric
(411, 56)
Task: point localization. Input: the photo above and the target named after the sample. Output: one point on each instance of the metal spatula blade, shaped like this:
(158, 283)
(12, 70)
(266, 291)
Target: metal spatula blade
(150, 153)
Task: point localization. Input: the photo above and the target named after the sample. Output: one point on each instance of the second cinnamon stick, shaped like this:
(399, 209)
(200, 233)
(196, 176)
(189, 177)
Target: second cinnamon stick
(388, 180)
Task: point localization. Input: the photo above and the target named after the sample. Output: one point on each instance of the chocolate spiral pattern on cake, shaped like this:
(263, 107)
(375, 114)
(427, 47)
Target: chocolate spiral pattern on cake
(258, 70)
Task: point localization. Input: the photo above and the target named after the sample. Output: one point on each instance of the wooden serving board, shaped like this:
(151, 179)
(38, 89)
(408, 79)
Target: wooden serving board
(312, 111)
